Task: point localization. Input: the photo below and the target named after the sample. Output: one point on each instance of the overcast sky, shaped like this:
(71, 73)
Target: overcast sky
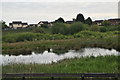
(33, 12)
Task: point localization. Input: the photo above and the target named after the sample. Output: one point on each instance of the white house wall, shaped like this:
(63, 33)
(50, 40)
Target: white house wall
(17, 25)
(24, 26)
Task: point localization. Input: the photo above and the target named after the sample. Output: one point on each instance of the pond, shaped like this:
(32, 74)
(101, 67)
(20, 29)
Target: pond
(50, 57)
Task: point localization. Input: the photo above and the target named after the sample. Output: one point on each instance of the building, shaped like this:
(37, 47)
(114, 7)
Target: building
(43, 23)
(33, 25)
(98, 22)
(24, 25)
(17, 24)
(69, 22)
(114, 21)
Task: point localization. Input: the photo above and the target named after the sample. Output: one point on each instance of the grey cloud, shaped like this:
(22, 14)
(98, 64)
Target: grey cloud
(35, 11)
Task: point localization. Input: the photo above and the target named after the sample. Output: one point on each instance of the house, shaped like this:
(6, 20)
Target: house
(98, 22)
(43, 23)
(69, 22)
(17, 24)
(24, 25)
(33, 25)
(10, 25)
(114, 21)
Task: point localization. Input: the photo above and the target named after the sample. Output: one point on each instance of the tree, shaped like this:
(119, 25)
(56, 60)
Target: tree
(105, 23)
(60, 20)
(88, 21)
(80, 18)
(4, 25)
(76, 27)
(59, 28)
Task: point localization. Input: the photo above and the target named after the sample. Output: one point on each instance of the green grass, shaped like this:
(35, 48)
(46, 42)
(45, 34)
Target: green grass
(26, 42)
(59, 46)
(106, 64)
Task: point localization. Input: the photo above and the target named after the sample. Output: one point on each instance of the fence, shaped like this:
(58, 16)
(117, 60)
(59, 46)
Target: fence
(53, 75)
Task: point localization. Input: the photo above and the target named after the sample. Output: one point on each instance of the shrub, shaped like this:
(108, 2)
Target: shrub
(77, 27)
(39, 30)
(95, 28)
(59, 28)
(103, 29)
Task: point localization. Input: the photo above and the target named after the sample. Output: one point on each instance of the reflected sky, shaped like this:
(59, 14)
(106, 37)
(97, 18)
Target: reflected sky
(50, 57)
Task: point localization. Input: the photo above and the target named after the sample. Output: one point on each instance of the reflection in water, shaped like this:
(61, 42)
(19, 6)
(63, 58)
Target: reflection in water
(49, 57)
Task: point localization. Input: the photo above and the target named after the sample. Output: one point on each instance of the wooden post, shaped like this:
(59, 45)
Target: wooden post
(23, 78)
(82, 78)
(52, 78)
(116, 78)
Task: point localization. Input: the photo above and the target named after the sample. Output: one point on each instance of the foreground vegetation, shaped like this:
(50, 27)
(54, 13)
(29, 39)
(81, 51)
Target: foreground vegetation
(101, 64)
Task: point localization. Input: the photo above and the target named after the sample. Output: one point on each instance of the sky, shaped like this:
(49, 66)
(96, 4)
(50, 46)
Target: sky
(43, 10)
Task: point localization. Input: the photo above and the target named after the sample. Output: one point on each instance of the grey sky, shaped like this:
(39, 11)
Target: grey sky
(33, 12)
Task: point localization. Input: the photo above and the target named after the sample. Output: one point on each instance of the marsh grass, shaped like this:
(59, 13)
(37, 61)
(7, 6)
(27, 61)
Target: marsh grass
(101, 64)
(58, 46)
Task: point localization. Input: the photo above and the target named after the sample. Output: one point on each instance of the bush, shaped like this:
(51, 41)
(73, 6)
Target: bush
(29, 36)
(59, 28)
(39, 30)
(77, 27)
(95, 28)
(103, 29)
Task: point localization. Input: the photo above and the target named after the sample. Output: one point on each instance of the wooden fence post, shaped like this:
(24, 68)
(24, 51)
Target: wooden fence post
(52, 78)
(116, 78)
(23, 78)
(82, 78)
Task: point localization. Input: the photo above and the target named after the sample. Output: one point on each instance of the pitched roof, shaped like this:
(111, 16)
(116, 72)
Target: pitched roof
(69, 22)
(32, 24)
(116, 19)
(24, 24)
(10, 23)
(44, 22)
(98, 21)
(16, 22)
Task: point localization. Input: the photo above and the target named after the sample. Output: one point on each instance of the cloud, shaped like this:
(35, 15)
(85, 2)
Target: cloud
(36, 11)
(60, 0)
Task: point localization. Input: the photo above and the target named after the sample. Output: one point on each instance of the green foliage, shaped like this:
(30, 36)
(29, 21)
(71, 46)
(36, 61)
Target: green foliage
(77, 27)
(60, 20)
(95, 28)
(59, 28)
(39, 30)
(106, 23)
(4, 25)
(39, 42)
(44, 25)
(106, 64)
(88, 21)
(113, 28)
(80, 18)
(103, 29)
(29, 36)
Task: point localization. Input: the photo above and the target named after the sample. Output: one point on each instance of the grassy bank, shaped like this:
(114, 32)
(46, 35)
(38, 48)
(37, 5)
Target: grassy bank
(106, 64)
(59, 46)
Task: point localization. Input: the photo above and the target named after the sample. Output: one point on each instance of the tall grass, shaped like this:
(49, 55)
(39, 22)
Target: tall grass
(106, 64)
(62, 43)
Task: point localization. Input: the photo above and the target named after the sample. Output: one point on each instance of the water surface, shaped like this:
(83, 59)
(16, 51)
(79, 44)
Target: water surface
(50, 57)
